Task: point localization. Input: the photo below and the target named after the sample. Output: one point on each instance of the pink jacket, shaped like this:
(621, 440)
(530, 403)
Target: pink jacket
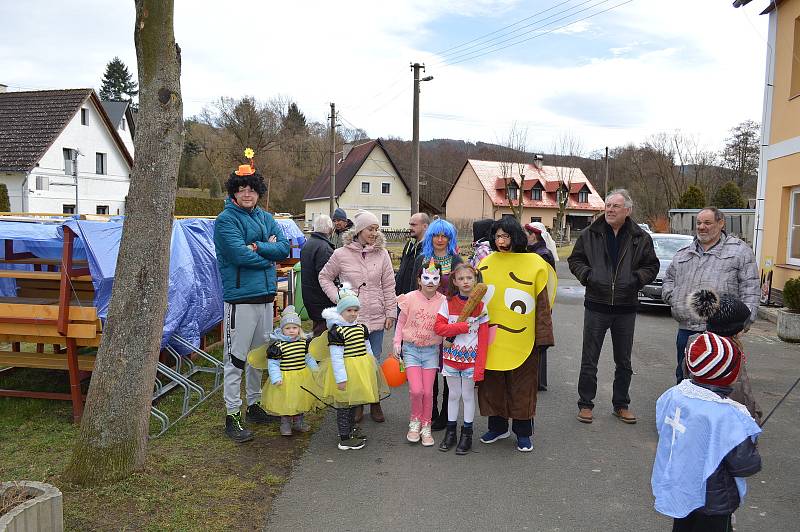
(356, 265)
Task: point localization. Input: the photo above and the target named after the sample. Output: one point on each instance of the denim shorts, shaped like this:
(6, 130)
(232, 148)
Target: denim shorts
(468, 373)
(426, 357)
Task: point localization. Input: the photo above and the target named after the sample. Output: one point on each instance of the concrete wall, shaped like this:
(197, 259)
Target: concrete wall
(376, 170)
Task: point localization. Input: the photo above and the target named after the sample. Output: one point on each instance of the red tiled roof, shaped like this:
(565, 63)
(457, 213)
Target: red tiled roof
(551, 177)
(346, 170)
(30, 121)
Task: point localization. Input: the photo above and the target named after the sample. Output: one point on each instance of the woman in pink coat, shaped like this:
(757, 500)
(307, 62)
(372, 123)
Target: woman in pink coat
(364, 263)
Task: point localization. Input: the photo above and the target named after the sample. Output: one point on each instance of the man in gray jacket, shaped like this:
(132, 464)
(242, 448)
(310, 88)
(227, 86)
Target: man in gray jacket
(716, 261)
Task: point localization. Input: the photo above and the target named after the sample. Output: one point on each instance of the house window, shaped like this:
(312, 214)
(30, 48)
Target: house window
(793, 249)
(386, 188)
(536, 219)
(100, 163)
(42, 182)
(385, 219)
(68, 209)
(365, 187)
(513, 190)
(84, 117)
(102, 209)
(122, 125)
(69, 163)
(795, 83)
(537, 194)
(583, 196)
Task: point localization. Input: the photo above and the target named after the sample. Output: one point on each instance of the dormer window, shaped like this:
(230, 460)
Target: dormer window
(513, 191)
(583, 196)
(536, 193)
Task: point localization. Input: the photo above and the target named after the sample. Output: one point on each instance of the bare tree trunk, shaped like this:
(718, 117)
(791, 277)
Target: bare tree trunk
(113, 436)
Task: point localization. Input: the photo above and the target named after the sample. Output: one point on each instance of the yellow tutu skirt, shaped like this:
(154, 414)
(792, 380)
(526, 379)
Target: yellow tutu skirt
(290, 398)
(365, 382)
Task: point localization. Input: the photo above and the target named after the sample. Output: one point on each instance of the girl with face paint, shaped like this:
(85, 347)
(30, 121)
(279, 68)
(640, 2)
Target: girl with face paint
(416, 341)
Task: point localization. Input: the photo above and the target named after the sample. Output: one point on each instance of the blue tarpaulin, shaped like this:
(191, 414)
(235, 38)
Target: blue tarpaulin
(195, 288)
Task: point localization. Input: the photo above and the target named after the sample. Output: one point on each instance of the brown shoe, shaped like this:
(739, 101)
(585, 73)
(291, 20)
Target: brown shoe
(359, 413)
(585, 415)
(376, 413)
(625, 415)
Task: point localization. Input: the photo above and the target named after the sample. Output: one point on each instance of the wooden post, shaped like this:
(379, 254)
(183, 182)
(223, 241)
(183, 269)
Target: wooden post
(74, 379)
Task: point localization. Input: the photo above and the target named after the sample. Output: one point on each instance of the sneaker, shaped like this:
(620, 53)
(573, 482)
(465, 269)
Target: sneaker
(413, 430)
(524, 444)
(491, 436)
(286, 426)
(299, 424)
(355, 432)
(256, 414)
(235, 430)
(425, 434)
(351, 443)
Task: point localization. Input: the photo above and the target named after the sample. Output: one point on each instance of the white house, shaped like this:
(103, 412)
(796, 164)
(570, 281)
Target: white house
(123, 119)
(368, 179)
(51, 139)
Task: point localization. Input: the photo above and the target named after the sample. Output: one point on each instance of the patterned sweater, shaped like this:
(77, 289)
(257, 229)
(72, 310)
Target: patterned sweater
(467, 348)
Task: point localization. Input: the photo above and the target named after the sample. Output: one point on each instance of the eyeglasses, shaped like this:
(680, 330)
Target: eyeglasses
(247, 190)
(499, 236)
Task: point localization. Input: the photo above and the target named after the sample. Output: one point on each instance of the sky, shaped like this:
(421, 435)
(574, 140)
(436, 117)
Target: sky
(608, 72)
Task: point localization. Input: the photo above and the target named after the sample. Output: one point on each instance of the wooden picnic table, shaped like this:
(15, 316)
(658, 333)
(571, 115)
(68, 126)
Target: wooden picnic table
(46, 276)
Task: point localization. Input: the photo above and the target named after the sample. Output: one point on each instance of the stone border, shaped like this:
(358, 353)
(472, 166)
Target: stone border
(44, 513)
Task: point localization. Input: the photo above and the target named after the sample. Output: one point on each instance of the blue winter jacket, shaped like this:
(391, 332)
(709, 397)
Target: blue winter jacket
(247, 274)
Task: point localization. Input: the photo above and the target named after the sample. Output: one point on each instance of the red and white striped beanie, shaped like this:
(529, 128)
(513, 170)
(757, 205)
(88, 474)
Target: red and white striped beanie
(713, 359)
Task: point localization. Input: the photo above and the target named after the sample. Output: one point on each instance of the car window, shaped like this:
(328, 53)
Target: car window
(667, 247)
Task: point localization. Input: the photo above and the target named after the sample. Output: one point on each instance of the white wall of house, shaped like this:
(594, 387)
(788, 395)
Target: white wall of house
(124, 131)
(50, 187)
(386, 198)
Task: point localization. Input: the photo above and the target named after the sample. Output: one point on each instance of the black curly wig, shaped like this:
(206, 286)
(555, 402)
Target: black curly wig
(254, 181)
(509, 224)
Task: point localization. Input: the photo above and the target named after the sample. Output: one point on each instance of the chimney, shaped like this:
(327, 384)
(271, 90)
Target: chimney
(3, 87)
(346, 150)
(538, 161)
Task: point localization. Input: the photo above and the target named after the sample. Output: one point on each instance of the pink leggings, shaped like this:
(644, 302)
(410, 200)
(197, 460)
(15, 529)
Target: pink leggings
(420, 389)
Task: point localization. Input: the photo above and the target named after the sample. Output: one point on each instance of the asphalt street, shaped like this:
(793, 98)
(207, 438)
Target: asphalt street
(579, 477)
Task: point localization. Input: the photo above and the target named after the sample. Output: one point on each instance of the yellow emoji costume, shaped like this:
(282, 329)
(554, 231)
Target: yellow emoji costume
(521, 291)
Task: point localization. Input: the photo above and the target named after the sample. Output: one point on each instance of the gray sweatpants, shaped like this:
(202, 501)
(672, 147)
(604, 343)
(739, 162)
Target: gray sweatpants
(246, 327)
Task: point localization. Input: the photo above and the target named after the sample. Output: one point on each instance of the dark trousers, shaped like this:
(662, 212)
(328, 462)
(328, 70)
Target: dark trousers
(445, 395)
(543, 369)
(680, 345)
(520, 427)
(345, 421)
(319, 327)
(595, 325)
(697, 522)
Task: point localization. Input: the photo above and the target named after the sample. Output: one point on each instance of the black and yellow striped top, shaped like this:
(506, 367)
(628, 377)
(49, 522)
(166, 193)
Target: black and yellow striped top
(291, 354)
(352, 337)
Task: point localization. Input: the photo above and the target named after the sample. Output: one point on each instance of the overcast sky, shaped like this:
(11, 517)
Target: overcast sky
(641, 67)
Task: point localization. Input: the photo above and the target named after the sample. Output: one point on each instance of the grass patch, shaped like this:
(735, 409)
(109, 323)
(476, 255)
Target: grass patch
(194, 477)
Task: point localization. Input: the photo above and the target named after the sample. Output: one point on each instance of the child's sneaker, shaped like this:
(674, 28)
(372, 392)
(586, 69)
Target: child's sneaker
(299, 424)
(356, 433)
(425, 434)
(351, 443)
(524, 444)
(491, 436)
(286, 426)
(413, 430)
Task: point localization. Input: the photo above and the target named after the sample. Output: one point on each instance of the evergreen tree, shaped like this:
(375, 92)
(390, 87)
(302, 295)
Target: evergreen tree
(5, 204)
(118, 83)
(693, 198)
(295, 121)
(729, 197)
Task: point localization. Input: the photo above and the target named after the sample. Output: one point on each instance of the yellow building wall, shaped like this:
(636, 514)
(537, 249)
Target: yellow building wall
(785, 121)
(376, 170)
(784, 175)
(468, 200)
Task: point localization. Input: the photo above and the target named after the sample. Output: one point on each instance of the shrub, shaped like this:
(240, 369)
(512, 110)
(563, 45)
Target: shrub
(198, 206)
(729, 197)
(791, 294)
(5, 204)
(693, 198)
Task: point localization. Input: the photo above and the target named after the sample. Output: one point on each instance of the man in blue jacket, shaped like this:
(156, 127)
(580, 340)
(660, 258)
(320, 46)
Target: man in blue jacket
(248, 241)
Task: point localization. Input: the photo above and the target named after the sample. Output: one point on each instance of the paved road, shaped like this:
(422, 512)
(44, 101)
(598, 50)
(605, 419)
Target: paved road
(579, 477)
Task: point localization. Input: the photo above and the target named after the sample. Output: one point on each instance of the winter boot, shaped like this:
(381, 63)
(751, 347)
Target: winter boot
(465, 441)
(299, 424)
(449, 439)
(235, 430)
(286, 425)
(376, 413)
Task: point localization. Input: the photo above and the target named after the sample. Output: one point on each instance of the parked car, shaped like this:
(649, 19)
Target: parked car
(666, 245)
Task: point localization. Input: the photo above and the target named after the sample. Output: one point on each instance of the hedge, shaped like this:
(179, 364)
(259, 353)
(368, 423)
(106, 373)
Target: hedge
(198, 206)
(5, 204)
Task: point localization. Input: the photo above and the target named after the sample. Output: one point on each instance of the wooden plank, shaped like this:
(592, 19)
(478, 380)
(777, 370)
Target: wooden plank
(78, 295)
(29, 300)
(17, 359)
(45, 262)
(74, 330)
(46, 312)
(49, 340)
(37, 395)
(54, 285)
(50, 276)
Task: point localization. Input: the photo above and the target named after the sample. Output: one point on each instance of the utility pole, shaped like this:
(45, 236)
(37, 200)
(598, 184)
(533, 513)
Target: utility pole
(606, 185)
(75, 155)
(333, 159)
(415, 139)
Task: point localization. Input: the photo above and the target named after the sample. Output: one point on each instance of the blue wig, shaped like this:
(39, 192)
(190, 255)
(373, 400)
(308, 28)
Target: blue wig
(439, 227)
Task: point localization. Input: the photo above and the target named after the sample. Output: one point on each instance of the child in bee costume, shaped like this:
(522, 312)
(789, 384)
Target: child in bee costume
(291, 375)
(349, 377)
